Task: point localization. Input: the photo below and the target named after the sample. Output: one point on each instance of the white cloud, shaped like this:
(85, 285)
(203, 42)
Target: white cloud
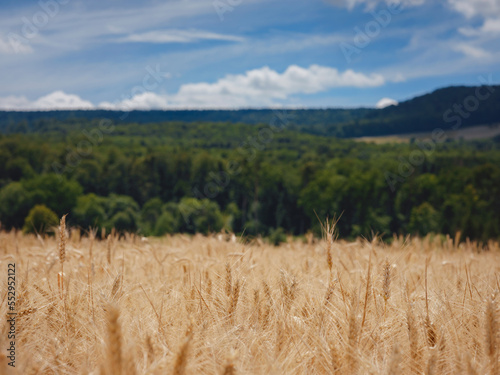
(178, 36)
(85, 24)
(370, 4)
(471, 8)
(469, 31)
(295, 79)
(472, 51)
(144, 101)
(258, 87)
(385, 102)
(255, 88)
(489, 10)
(61, 100)
(55, 100)
(14, 103)
(490, 27)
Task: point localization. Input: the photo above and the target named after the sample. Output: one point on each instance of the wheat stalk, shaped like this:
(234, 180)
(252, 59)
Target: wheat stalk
(395, 361)
(114, 341)
(386, 284)
(492, 335)
(352, 339)
(62, 251)
(182, 356)
(413, 341)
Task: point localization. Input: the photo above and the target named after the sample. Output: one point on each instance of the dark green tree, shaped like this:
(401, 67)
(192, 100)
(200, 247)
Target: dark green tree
(40, 219)
(15, 203)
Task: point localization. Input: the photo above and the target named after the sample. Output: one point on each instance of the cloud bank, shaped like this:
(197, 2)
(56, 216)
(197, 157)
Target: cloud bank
(255, 88)
(56, 100)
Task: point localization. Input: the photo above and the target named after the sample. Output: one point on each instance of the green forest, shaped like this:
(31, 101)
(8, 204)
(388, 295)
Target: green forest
(265, 179)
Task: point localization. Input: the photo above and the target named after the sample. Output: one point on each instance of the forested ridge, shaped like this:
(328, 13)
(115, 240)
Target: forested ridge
(253, 179)
(459, 106)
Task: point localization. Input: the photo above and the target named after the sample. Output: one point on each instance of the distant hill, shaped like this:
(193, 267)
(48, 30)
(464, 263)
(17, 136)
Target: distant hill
(461, 106)
(444, 108)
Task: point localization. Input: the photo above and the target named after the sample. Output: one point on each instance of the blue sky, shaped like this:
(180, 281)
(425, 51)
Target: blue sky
(57, 54)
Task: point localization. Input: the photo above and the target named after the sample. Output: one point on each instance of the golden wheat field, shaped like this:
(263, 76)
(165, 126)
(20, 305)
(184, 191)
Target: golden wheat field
(212, 305)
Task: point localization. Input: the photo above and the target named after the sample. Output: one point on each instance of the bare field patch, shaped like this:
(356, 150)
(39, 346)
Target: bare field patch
(204, 305)
(468, 134)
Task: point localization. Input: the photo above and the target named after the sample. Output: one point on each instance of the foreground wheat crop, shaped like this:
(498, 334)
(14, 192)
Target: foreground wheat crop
(180, 305)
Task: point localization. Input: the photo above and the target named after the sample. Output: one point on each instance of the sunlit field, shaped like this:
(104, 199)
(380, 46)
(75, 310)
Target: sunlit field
(216, 305)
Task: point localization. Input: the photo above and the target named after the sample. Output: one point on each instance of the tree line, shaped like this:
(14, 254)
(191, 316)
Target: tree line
(202, 177)
(447, 107)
